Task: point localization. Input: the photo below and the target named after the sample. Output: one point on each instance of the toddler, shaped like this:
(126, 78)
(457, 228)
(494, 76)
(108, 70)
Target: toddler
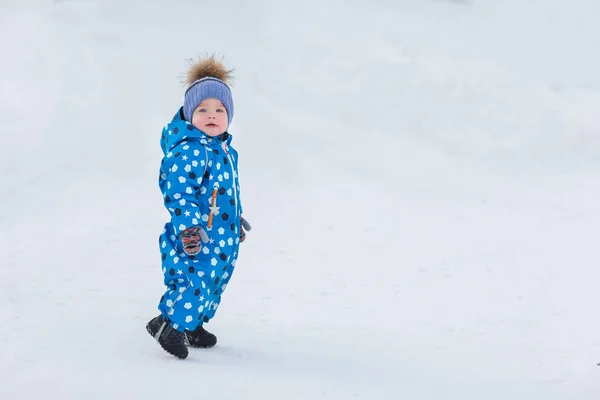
(199, 181)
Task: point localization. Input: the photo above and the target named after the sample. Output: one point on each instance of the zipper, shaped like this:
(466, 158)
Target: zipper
(233, 178)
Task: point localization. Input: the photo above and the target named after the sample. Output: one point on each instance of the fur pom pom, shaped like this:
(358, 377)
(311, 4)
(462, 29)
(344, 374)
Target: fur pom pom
(208, 66)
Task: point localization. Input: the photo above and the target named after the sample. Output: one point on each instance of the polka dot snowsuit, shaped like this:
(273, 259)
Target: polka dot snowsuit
(199, 182)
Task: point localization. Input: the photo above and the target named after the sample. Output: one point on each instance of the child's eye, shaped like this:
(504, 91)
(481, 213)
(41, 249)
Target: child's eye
(220, 110)
(201, 110)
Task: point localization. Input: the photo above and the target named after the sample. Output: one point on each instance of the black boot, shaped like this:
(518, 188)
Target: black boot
(200, 338)
(171, 340)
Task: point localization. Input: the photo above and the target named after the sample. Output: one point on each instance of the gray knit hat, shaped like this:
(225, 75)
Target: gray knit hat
(207, 88)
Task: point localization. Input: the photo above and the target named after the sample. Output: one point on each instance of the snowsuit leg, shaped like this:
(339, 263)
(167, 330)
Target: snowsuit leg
(193, 288)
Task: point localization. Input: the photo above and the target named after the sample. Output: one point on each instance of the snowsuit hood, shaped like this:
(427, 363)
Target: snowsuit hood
(177, 131)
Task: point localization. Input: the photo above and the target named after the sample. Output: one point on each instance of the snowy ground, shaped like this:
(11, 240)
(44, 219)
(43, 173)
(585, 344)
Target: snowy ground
(422, 177)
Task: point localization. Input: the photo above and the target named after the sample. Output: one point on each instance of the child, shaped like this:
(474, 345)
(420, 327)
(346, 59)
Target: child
(199, 181)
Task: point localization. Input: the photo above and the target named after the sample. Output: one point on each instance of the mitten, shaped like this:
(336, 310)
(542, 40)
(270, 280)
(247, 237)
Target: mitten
(190, 239)
(246, 226)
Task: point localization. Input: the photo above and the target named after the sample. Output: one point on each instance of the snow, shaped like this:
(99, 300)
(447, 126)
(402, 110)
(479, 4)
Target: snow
(421, 177)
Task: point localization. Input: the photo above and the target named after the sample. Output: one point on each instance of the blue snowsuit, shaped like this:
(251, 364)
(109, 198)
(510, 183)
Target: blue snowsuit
(199, 182)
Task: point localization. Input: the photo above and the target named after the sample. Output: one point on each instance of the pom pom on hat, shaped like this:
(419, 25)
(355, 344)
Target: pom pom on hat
(207, 78)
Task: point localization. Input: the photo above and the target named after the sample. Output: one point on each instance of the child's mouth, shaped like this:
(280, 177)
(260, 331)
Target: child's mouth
(211, 125)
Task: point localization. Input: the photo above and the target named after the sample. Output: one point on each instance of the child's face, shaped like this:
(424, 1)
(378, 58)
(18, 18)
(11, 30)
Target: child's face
(210, 117)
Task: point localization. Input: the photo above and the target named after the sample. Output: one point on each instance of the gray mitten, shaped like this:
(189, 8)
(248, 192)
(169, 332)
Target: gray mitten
(245, 227)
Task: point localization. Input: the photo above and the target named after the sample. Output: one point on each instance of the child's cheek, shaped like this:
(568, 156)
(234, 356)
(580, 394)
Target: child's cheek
(196, 122)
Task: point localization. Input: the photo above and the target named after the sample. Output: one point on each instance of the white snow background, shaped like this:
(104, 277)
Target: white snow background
(423, 179)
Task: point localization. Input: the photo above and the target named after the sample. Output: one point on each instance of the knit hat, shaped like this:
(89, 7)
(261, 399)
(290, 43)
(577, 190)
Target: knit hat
(207, 79)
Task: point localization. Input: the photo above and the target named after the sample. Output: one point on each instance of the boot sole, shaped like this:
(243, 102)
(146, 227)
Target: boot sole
(200, 346)
(180, 356)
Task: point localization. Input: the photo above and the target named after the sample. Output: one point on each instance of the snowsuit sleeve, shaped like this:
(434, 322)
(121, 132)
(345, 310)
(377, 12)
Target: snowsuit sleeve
(182, 170)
